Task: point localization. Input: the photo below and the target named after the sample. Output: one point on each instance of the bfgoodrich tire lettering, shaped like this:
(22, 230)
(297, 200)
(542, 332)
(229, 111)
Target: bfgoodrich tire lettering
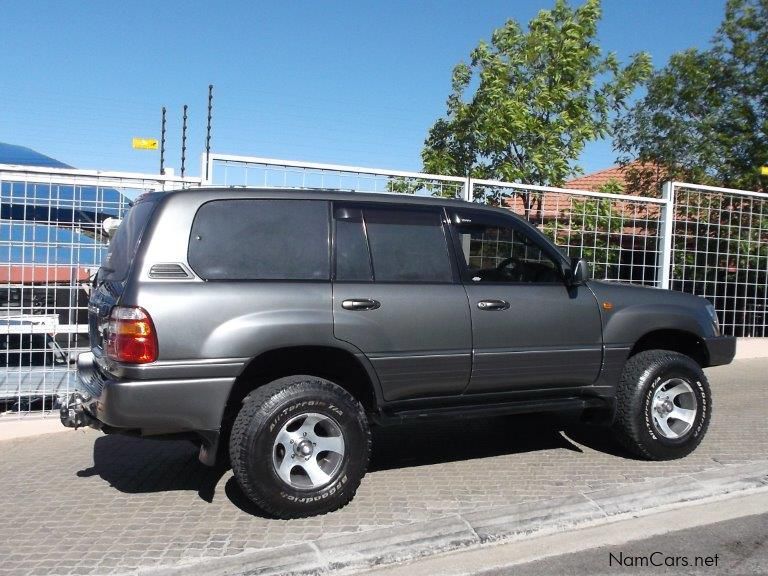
(256, 436)
(657, 386)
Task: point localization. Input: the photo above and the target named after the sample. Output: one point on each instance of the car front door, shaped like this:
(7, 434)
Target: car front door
(529, 329)
(397, 298)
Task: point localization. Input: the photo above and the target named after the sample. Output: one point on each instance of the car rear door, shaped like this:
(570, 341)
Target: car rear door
(398, 299)
(529, 329)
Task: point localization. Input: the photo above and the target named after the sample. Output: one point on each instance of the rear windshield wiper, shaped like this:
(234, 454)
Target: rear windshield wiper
(100, 276)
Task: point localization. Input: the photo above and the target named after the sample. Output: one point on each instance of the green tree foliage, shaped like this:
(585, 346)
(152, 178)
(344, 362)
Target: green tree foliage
(399, 185)
(705, 116)
(425, 186)
(705, 120)
(527, 103)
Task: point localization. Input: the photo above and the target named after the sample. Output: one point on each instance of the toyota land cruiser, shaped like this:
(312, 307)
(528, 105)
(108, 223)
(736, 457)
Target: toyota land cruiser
(277, 326)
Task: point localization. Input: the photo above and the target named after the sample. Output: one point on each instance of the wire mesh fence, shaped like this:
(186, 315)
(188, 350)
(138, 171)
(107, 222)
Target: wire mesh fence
(52, 241)
(618, 235)
(244, 171)
(698, 239)
(707, 241)
(720, 252)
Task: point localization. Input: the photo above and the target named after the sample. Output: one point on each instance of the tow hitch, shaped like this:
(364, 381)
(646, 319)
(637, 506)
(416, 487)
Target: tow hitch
(73, 414)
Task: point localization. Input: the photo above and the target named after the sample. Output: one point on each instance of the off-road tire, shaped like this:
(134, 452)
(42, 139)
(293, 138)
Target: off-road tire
(264, 412)
(632, 424)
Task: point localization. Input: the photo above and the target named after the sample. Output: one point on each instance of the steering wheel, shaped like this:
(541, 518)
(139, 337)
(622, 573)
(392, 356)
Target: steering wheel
(508, 266)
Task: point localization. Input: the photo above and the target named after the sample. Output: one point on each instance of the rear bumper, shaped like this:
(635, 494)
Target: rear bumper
(152, 407)
(721, 349)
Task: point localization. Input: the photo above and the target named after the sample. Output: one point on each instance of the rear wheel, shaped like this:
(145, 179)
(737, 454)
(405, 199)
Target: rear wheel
(300, 446)
(663, 405)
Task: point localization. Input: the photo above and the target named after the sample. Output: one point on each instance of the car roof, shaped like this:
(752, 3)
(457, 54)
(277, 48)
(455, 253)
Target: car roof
(201, 195)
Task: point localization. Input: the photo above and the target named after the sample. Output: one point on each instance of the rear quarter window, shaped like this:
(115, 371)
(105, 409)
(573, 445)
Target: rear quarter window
(261, 239)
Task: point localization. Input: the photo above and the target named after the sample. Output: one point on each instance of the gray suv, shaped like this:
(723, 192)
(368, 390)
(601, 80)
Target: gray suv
(276, 326)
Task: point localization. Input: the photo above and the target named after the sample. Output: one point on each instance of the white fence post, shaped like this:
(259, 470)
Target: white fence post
(664, 260)
(205, 176)
(468, 191)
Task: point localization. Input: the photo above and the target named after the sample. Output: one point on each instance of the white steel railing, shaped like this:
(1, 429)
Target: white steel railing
(51, 243)
(718, 249)
(231, 170)
(701, 239)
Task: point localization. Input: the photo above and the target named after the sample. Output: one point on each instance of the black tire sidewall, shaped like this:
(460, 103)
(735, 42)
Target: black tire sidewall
(301, 399)
(657, 374)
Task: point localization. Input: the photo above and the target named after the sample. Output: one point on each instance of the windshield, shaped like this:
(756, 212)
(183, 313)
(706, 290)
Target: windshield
(125, 242)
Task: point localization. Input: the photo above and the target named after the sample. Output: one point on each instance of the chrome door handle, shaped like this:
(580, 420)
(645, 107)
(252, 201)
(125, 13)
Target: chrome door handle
(493, 304)
(360, 304)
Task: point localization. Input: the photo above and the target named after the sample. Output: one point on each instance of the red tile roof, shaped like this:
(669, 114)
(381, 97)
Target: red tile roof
(597, 179)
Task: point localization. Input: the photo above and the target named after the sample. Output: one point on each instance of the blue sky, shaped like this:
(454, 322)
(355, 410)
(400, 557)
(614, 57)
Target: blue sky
(342, 82)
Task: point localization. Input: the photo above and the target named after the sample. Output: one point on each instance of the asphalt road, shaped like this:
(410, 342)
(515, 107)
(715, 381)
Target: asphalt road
(733, 547)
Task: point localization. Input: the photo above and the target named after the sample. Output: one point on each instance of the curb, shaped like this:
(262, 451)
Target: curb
(12, 427)
(751, 348)
(368, 549)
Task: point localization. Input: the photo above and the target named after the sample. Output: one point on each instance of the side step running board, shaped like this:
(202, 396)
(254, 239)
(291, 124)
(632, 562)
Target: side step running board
(497, 409)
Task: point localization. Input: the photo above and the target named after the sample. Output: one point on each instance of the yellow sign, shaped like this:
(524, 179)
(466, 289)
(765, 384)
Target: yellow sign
(145, 143)
(763, 170)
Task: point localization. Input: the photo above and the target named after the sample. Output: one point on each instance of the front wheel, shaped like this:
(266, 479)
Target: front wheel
(300, 446)
(663, 405)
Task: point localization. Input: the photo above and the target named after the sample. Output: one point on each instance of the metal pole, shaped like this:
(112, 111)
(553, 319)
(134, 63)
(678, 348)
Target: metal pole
(208, 130)
(183, 140)
(664, 262)
(162, 144)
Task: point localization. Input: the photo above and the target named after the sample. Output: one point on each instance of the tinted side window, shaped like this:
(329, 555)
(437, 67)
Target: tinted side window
(353, 262)
(497, 252)
(407, 245)
(257, 239)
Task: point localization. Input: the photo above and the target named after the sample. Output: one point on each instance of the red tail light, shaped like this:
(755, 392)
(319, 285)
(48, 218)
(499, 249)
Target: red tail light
(131, 336)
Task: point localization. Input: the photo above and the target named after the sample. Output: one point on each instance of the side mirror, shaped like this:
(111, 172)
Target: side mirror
(579, 273)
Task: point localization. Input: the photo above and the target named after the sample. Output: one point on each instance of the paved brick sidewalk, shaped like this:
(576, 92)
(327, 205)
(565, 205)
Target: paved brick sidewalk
(84, 503)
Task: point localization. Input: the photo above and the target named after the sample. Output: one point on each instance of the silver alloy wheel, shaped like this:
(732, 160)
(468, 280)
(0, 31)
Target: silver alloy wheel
(674, 408)
(308, 451)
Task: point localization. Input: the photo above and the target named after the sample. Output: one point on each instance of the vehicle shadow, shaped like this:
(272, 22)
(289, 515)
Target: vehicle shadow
(426, 443)
(598, 438)
(143, 465)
